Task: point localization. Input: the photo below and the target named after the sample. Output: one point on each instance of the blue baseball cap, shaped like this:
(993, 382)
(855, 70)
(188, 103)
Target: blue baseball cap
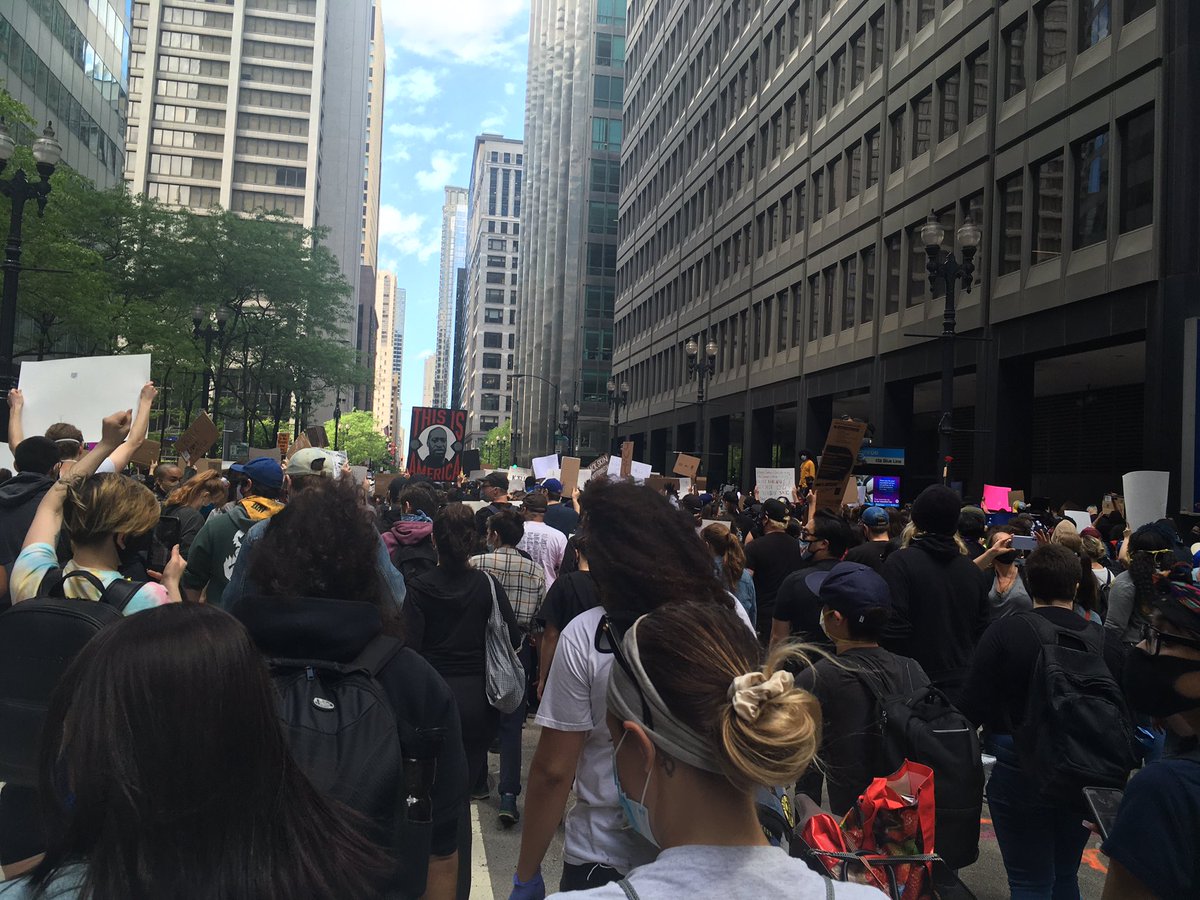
(854, 590)
(552, 486)
(264, 471)
(875, 517)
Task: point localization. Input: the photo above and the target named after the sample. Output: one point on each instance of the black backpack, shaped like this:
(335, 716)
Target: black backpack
(344, 733)
(1077, 731)
(38, 640)
(924, 727)
(414, 560)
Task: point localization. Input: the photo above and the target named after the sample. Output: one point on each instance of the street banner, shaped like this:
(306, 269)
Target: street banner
(545, 466)
(80, 390)
(436, 446)
(837, 461)
(1145, 497)
(685, 465)
(778, 483)
(147, 454)
(197, 440)
(317, 436)
(626, 458)
(996, 499)
(264, 452)
(283, 441)
(570, 475)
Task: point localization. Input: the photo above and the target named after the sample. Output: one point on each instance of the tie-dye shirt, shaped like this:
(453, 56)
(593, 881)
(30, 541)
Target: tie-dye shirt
(38, 559)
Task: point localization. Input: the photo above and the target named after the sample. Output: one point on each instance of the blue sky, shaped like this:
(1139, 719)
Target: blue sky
(455, 69)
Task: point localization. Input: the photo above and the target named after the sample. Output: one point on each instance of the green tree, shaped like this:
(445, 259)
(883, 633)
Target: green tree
(358, 438)
(496, 453)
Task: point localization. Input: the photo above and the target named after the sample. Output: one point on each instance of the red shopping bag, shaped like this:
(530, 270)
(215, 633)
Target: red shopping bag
(897, 813)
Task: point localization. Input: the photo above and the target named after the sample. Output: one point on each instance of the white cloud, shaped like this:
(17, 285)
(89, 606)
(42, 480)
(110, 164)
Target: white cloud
(510, 88)
(495, 122)
(441, 171)
(425, 354)
(470, 31)
(417, 86)
(410, 131)
(407, 234)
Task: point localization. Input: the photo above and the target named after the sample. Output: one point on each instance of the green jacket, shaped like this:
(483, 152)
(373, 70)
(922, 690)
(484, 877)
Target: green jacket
(215, 550)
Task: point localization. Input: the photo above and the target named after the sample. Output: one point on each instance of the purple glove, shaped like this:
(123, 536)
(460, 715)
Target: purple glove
(533, 889)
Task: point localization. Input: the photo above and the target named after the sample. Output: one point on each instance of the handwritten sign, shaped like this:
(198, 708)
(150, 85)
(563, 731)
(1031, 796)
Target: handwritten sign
(197, 440)
(837, 461)
(685, 465)
(777, 483)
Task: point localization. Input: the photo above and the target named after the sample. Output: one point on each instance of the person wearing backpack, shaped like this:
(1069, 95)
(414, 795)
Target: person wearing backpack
(1056, 722)
(410, 538)
(172, 776)
(1151, 844)
(325, 618)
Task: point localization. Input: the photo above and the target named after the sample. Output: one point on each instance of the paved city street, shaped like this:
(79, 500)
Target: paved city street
(494, 857)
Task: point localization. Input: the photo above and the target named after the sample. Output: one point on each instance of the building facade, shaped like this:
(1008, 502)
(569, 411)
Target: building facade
(427, 388)
(368, 345)
(779, 161)
(489, 324)
(65, 60)
(387, 377)
(266, 105)
(453, 258)
(573, 139)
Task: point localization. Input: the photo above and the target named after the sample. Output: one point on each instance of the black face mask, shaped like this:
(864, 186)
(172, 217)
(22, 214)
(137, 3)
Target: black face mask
(1149, 683)
(137, 548)
(1007, 559)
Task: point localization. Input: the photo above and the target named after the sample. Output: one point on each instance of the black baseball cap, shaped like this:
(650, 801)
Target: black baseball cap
(496, 480)
(776, 510)
(854, 590)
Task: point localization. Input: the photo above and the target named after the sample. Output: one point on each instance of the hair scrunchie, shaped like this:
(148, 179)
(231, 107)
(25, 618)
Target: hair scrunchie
(750, 691)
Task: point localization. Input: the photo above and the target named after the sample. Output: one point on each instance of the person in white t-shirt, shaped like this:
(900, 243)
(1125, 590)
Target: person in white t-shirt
(698, 725)
(642, 555)
(544, 543)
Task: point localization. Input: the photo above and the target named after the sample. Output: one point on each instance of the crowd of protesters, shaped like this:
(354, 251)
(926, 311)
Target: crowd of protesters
(681, 655)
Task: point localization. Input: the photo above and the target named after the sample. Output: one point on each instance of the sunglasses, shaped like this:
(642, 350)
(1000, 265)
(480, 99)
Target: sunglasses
(614, 647)
(1154, 639)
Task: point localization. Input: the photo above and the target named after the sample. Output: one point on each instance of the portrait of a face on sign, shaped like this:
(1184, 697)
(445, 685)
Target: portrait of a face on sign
(435, 449)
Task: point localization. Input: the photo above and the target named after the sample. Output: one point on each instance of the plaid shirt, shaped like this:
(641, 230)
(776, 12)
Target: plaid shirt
(523, 581)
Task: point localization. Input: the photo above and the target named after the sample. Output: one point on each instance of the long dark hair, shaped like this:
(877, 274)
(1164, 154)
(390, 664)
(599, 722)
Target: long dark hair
(454, 536)
(164, 732)
(1148, 553)
(322, 544)
(642, 553)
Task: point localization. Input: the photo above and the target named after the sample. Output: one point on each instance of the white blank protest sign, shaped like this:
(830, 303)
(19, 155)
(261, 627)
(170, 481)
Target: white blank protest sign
(81, 391)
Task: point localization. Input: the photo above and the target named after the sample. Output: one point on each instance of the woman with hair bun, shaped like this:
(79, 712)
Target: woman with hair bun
(697, 726)
(731, 566)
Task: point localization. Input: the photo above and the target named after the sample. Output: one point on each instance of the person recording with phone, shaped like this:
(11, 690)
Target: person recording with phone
(1003, 573)
(1151, 844)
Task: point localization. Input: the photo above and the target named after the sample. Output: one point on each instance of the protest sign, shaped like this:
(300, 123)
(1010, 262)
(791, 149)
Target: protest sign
(704, 523)
(777, 483)
(837, 461)
(211, 465)
(685, 486)
(685, 465)
(570, 475)
(640, 471)
(317, 436)
(1145, 497)
(283, 441)
(995, 499)
(599, 464)
(80, 390)
(264, 453)
(545, 466)
(626, 458)
(382, 482)
(147, 454)
(359, 473)
(1015, 497)
(197, 440)
(436, 441)
(1081, 519)
(470, 461)
(516, 478)
(1107, 506)
(614, 467)
(477, 475)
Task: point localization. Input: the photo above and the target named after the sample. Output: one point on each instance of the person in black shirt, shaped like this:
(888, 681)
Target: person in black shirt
(494, 490)
(571, 594)
(560, 513)
(856, 604)
(972, 525)
(1041, 842)
(878, 546)
(797, 606)
(770, 559)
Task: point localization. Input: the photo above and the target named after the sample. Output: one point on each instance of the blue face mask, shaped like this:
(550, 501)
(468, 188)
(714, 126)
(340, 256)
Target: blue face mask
(635, 811)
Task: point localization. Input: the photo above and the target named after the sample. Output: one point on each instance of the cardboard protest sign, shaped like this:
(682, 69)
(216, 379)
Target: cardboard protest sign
(626, 458)
(80, 390)
(283, 441)
(545, 466)
(852, 496)
(317, 436)
(382, 482)
(147, 454)
(685, 465)
(995, 498)
(1145, 497)
(777, 483)
(197, 440)
(662, 482)
(570, 475)
(300, 443)
(1107, 506)
(1015, 497)
(837, 461)
(264, 453)
(211, 465)
(436, 446)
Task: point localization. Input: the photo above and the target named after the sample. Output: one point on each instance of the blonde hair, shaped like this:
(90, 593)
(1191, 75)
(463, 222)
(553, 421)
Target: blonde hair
(209, 482)
(99, 506)
(733, 558)
(691, 653)
(1094, 548)
(911, 533)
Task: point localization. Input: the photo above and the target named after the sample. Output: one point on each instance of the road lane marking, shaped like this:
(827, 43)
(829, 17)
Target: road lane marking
(481, 878)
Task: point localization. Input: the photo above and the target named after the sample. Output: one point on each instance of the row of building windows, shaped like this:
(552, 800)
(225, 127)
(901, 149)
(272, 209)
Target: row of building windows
(294, 7)
(185, 166)
(262, 173)
(81, 51)
(495, 361)
(279, 204)
(70, 114)
(300, 78)
(183, 65)
(183, 140)
(188, 115)
(190, 196)
(271, 149)
(178, 40)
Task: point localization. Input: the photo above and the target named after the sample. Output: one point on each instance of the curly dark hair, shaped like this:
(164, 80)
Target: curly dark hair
(642, 553)
(454, 536)
(323, 544)
(1149, 552)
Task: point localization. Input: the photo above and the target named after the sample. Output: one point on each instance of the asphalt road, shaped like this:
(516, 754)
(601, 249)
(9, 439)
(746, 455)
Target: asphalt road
(495, 855)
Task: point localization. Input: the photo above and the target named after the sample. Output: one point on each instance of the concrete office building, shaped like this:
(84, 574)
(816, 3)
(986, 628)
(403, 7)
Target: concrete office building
(398, 361)
(427, 392)
(453, 258)
(389, 313)
(574, 91)
(456, 359)
(368, 287)
(489, 324)
(780, 160)
(263, 105)
(65, 61)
